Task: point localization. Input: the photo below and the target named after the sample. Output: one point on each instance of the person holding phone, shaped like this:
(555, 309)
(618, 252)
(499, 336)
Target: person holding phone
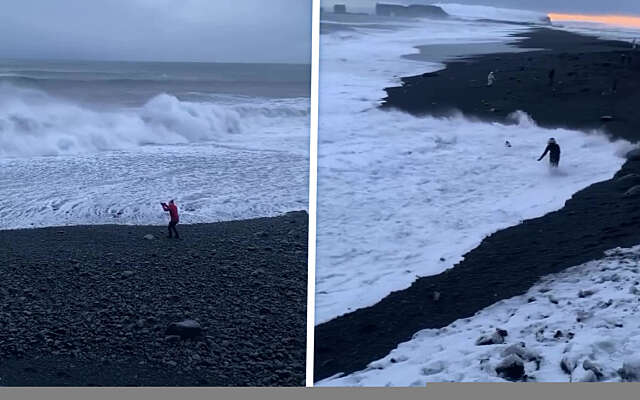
(174, 218)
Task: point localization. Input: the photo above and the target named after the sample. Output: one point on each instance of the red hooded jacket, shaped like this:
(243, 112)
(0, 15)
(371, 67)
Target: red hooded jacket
(173, 211)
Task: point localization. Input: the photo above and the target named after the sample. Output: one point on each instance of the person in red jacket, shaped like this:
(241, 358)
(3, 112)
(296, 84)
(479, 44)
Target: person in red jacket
(173, 213)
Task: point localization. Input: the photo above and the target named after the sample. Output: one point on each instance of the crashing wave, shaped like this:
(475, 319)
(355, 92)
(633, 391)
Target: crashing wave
(33, 122)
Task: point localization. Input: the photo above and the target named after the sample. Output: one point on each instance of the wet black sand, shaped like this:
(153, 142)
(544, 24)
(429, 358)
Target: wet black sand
(510, 261)
(89, 305)
(585, 71)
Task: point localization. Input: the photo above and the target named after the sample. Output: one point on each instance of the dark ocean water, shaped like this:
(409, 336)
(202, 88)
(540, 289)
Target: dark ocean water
(133, 83)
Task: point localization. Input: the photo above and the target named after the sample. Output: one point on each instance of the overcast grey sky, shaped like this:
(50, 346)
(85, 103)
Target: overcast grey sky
(162, 30)
(585, 6)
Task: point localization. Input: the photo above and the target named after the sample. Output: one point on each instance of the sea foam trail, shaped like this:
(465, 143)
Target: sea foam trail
(34, 123)
(400, 196)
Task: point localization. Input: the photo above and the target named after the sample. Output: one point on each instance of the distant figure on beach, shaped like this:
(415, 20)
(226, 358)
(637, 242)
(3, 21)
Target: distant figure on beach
(507, 143)
(552, 75)
(491, 79)
(554, 152)
(174, 219)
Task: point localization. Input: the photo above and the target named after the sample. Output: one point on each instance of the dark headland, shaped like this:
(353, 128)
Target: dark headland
(507, 263)
(90, 305)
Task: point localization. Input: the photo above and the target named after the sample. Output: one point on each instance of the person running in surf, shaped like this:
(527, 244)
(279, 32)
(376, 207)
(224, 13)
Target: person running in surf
(174, 218)
(554, 152)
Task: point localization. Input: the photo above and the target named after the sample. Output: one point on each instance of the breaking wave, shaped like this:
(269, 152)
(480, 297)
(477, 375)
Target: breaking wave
(34, 123)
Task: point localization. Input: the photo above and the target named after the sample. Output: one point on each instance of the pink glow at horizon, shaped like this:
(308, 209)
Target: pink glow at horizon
(627, 21)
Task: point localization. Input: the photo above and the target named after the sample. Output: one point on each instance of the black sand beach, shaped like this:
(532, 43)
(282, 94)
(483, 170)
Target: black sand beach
(600, 217)
(90, 305)
(586, 69)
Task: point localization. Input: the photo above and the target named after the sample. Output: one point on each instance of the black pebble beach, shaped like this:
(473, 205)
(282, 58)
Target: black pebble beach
(91, 305)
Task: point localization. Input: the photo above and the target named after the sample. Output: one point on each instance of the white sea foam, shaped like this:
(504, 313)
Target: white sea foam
(209, 183)
(587, 313)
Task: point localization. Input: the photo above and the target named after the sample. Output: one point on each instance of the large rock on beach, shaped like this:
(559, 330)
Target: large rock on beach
(511, 368)
(187, 329)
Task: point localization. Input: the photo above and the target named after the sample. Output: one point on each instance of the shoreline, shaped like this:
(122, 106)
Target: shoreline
(511, 260)
(585, 72)
(91, 305)
(451, 52)
(151, 226)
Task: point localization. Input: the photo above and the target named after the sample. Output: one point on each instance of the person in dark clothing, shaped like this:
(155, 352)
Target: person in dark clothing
(174, 218)
(554, 152)
(552, 76)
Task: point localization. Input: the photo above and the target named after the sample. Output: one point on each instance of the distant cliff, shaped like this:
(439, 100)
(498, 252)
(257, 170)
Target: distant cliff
(414, 10)
(340, 8)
